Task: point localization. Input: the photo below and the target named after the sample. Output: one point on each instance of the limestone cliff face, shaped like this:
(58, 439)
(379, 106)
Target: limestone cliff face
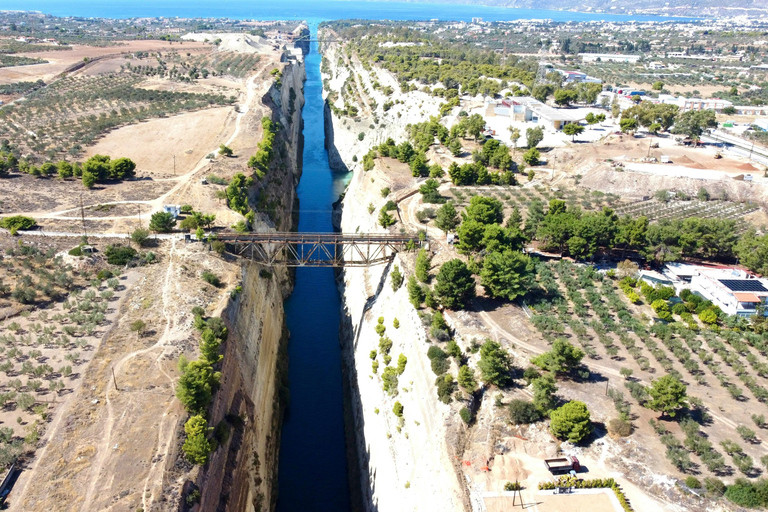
(410, 468)
(343, 141)
(413, 468)
(242, 473)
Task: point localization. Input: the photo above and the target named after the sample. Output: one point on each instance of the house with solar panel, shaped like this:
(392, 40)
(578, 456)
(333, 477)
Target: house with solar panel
(734, 291)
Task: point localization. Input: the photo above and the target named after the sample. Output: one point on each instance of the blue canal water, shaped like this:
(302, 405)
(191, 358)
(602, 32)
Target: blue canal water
(312, 467)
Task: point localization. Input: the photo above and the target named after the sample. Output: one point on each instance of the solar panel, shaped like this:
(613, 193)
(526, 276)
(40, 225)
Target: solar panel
(744, 285)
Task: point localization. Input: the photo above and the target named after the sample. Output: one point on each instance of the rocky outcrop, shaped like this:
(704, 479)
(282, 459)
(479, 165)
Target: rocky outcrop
(400, 465)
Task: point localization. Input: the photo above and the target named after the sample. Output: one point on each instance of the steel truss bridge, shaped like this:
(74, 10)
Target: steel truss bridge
(318, 249)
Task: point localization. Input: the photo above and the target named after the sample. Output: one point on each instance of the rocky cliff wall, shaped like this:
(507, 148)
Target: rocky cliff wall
(406, 465)
(242, 473)
(376, 125)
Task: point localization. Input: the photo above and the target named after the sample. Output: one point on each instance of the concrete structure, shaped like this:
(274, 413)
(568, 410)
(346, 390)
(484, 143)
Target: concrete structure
(609, 57)
(686, 104)
(533, 111)
(761, 124)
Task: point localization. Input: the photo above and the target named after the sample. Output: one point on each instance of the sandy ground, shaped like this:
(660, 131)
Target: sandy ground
(154, 144)
(58, 61)
(541, 502)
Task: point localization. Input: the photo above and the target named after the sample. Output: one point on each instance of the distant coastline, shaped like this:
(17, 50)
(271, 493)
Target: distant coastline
(319, 11)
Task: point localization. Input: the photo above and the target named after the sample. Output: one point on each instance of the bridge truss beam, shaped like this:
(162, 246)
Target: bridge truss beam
(318, 249)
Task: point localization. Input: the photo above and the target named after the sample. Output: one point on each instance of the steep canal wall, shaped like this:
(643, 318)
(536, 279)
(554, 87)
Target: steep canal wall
(242, 475)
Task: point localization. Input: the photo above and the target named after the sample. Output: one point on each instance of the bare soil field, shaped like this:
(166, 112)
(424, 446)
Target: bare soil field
(588, 164)
(43, 196)
(216, 85)
(58, 61)
(154, 144)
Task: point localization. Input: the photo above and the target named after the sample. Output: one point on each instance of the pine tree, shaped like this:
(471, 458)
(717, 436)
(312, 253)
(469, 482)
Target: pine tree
(422, 266)
(447, 218)
(397, 278)
(415, 293)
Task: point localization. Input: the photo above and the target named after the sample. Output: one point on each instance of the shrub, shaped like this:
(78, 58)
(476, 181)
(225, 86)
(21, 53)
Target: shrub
(445, 387)
(523, 412)
(389, 380)
(714, 486)
(743, 493)
(466, 415)
(218, 246)
(619, 428)
(398, 409)
(571, 421)
(693, 482)
(211, 278)
(17, 222)
(119, 254)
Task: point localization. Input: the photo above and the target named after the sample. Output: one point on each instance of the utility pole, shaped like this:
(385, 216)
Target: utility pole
(82, 218)
(139, 206)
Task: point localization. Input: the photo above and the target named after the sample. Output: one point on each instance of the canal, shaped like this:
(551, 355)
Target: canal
(312, 473)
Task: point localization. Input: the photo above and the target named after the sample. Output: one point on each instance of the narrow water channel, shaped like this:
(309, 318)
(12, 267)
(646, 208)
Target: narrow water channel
(312, 471)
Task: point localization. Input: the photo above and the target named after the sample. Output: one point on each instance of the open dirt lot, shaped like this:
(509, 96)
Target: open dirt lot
(690, 169)
(154, 144)
(58, 61)
(593, 502)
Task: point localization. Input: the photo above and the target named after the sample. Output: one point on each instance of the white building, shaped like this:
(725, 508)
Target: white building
(575, 77)
(175, 209)
(734, 291)
(609, 57)
(751, 110)
(533, 111)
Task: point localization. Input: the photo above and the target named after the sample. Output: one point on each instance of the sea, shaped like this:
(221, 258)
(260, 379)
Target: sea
(312, 10)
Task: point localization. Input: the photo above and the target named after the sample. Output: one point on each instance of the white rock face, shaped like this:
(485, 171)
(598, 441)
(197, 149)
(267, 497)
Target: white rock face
(416, 107)
(413, 469)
